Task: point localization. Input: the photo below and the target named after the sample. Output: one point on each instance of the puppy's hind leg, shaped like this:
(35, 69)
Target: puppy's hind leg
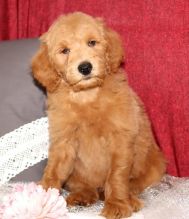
(152, 175)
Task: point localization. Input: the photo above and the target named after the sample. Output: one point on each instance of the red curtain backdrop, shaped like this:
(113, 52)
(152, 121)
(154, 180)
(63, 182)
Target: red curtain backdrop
(156, 40)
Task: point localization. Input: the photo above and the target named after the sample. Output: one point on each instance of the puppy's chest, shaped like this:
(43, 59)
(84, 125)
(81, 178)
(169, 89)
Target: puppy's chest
(93, 133)
(93, 140)
(93, 155)
(94, 125)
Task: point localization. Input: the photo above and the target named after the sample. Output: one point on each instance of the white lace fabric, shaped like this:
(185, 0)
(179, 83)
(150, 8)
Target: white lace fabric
(22, 148)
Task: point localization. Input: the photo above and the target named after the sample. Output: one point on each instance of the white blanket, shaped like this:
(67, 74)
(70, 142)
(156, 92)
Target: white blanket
(168, 200)
(29, 144)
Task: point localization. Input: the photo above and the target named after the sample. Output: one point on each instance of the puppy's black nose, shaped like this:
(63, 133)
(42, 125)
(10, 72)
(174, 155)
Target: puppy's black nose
(85, 68)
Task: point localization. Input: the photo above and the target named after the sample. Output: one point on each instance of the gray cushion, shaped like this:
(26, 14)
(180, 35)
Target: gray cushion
(21, 101)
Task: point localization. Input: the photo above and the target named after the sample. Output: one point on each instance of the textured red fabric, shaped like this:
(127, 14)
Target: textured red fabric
(156, 38)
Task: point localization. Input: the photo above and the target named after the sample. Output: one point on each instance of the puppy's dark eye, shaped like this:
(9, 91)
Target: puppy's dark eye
(91, 43)
(65, 51)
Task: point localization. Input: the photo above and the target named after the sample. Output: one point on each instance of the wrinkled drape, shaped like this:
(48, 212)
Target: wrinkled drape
(156, 38)
(27, 18)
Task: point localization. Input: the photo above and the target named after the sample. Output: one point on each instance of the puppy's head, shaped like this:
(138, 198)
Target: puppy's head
(78, 49)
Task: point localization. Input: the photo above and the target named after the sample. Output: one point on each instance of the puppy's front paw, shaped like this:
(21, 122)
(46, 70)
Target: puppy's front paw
(116, 210)
(49, 184)
(81, 198)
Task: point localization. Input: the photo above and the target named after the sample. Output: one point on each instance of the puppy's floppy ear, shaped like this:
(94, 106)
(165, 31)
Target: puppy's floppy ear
(115, 51)
(43, 70)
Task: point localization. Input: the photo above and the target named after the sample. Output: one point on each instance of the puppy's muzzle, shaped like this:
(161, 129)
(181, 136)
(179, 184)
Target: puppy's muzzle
(85, 68)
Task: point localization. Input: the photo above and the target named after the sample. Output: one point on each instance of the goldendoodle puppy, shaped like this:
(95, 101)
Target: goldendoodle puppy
(101, 143)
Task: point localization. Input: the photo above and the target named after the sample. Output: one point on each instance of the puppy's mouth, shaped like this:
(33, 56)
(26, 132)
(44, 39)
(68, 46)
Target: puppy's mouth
(87, 82)
(87, 78)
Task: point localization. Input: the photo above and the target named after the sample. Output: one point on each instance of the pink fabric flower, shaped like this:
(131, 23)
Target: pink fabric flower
(30, 201)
